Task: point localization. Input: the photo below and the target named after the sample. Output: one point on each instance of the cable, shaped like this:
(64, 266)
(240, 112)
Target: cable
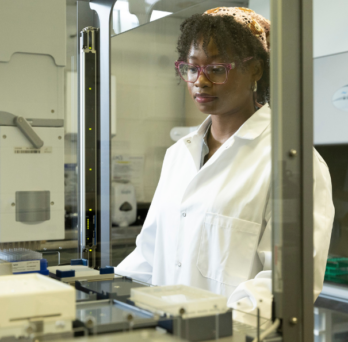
(269, 330)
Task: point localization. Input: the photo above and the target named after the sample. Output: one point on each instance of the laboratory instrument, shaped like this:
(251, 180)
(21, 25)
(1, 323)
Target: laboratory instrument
(35, 304)
(32, 121)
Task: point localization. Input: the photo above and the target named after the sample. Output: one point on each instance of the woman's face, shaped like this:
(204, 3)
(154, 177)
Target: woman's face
(234, 95)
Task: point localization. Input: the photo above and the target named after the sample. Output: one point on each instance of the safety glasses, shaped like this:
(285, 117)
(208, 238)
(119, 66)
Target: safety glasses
(215, 73)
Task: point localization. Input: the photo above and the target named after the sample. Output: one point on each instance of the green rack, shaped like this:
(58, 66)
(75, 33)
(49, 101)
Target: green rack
(337, 270)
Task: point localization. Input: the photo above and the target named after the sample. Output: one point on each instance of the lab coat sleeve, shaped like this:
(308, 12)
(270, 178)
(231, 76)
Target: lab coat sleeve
(257, 292)
(138, 265)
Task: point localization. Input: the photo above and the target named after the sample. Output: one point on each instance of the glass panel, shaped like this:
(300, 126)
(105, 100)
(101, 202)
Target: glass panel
(330, 135)
(155, 108)
(129, 14)
(330, 325)
(331, 141)
(38, 146)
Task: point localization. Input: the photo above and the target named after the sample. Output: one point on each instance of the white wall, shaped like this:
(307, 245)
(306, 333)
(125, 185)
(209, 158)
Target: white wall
(330, 123)
(150, 102)
(330, 27)
(262, 7)
(330, 32)
(330, 42)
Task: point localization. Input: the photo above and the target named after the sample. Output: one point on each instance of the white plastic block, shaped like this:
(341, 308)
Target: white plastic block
(176, 300)
(33, 297)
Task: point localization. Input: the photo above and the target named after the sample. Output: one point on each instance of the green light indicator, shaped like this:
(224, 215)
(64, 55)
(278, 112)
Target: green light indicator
(90, 88)
(90, 129)
(90, 169)
(90, 209)
(90, 48)
(90, 250)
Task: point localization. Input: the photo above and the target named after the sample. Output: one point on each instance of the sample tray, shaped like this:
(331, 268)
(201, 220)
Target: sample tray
(79, 273)
(84, 297)
(118, 288)
(111, 315)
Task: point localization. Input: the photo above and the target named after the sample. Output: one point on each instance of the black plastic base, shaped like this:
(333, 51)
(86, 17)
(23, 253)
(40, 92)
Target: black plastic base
(200, 328)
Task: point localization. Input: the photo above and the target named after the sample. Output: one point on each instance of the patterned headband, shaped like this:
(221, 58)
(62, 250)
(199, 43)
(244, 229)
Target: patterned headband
(258, 25)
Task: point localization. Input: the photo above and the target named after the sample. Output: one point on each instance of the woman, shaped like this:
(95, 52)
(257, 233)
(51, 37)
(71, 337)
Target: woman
(209, 224)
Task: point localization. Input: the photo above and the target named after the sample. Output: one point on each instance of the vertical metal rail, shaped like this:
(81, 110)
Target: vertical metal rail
(104, 9)
(85, 18)
(292, 166)
(88, 142)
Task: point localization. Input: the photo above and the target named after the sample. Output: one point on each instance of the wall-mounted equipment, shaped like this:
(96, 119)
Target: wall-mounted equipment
(340, 99)
(32, 120)
(123, 204)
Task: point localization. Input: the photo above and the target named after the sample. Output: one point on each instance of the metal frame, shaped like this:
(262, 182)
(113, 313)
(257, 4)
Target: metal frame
(88, 142)
(292, 166)
(103, 8)
(85, 18)
(292, 159)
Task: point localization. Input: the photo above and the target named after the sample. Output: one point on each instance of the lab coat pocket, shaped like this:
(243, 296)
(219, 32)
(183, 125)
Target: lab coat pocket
(227, 248)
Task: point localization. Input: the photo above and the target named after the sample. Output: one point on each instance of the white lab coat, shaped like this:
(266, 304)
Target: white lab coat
(211, 227)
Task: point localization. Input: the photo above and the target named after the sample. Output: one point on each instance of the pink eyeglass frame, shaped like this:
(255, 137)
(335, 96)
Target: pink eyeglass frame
(228, 66)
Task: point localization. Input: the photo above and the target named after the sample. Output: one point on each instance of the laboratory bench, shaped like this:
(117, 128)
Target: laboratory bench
(330, 309)
(156, 335)
(62, 251)
(118, 309)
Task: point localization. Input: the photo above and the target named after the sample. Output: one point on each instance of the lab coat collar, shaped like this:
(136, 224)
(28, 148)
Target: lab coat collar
(256, 124)
(250, 130)
(202, 129)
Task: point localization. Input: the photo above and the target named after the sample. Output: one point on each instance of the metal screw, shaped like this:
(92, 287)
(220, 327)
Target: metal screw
(30, 330)
(13, 204)
(293, 321)
(182, 311)
(52, 203)
(89, 323)
(292, 153)
(130, 318)
(52, 111)
(60, 324)
(59, 137)
(4, 136)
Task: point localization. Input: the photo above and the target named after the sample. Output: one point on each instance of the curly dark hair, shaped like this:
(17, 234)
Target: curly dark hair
(229, 37)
